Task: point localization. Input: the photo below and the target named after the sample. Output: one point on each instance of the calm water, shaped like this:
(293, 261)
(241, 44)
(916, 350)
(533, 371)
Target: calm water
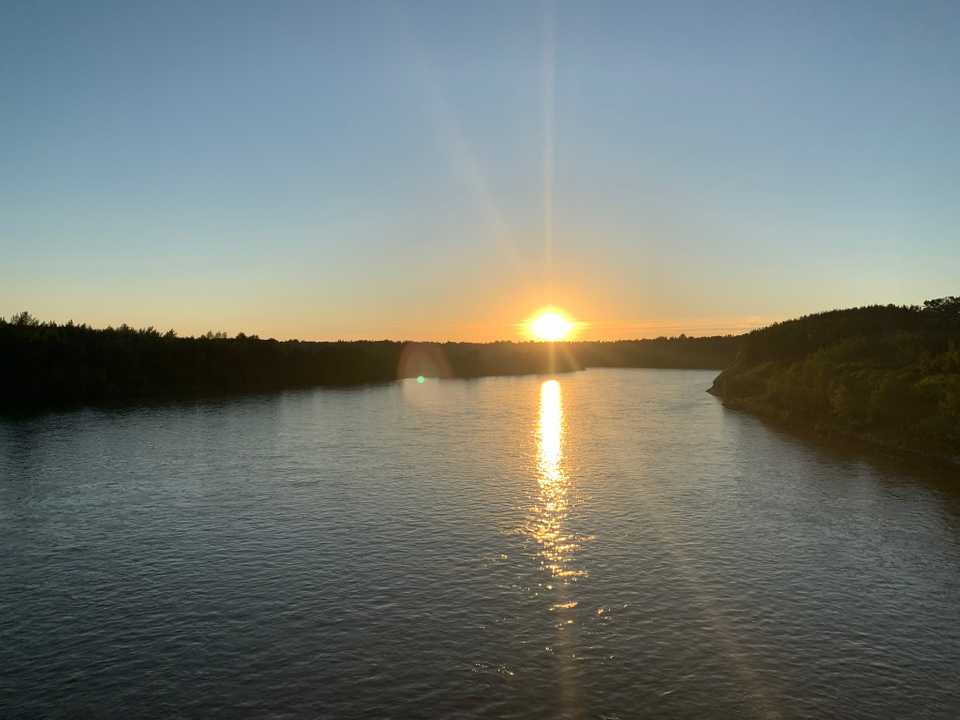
(612, 543)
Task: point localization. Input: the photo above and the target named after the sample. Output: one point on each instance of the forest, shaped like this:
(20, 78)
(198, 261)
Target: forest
(48, 364)
(885, 375)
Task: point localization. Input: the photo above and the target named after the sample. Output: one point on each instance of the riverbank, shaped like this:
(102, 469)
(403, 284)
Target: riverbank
(842, 439)
(883, 377)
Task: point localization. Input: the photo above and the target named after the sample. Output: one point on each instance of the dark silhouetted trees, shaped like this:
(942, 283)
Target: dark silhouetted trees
(48, 364)
(886, 374)
(707, 353)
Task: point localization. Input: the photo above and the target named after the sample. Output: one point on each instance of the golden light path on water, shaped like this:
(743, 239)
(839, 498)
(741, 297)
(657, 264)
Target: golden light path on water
(548, 525)
(548, 516)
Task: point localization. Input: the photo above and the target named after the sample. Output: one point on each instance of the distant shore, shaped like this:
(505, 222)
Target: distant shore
(60, 365)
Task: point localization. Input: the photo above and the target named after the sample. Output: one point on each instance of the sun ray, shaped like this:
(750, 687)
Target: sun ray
(549, 81)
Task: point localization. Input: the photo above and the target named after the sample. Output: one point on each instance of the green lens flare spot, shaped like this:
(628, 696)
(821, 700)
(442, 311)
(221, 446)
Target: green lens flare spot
(421, 379)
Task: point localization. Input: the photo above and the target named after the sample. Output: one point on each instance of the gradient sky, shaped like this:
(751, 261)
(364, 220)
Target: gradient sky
(438, 170)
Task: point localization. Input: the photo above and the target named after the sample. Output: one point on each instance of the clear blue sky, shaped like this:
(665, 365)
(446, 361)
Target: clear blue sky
(439, 170)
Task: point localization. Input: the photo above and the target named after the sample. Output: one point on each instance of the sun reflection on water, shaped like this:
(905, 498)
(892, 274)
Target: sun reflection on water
(547, 523)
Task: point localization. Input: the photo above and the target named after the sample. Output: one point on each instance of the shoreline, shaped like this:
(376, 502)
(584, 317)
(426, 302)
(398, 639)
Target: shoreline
(837, 438)
(31, 410)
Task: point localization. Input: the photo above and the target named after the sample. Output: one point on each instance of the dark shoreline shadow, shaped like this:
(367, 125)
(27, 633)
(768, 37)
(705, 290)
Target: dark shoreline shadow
(216, 399)
(206, 399)
(937, 473)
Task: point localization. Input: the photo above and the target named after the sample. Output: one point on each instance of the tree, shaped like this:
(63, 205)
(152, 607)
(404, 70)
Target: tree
(946, 306)
(24, 319)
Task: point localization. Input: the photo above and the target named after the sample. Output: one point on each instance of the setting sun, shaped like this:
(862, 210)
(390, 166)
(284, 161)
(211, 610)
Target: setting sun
(550, 325)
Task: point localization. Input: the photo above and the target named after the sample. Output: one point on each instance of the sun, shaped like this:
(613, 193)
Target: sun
(550, 325)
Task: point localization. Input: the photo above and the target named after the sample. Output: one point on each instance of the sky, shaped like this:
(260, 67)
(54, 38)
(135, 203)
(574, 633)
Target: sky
(439, 170)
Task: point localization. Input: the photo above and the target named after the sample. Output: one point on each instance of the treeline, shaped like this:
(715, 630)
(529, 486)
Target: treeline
(706, 353)
(49, 364)
(888, 375)
(46, 364)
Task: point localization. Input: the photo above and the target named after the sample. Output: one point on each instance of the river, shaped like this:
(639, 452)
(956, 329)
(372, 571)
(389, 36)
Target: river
(602, 544)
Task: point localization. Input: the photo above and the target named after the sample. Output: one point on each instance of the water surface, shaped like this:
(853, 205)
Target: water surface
(612, 543)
